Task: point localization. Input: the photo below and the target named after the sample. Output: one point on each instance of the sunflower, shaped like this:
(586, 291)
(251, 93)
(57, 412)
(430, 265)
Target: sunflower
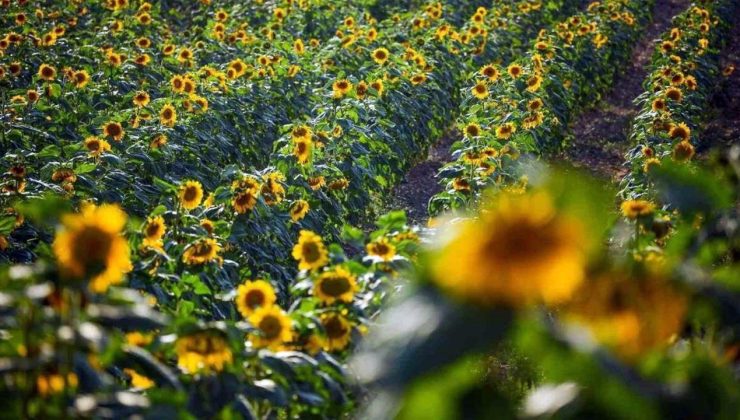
(301, 132)
(89, 246)
(515, 70)
(177, 83)
(418, 79)
(154, 228)
(631, 313)
(190, 194)
(480, 90)
(504, 131)
(298, 210)
(341, 88)
(674, 94)
(683, 151)
(201, 251)
(203, 351)
(534, 83)
(244, 201)
(274, 327)
(472, 130)
(491, 72)
(335, 285)
(378, 86)
(141, 99)
(113, 130)
(138, 380)
(535, 104)
(158, 141)
(168, 115)
(680, 131)
(338, 331)
(47, 72)
(522, 250)
(185, 55)
(96, 146)
(461, 184)
(659, 105)
(632, 209)
(299, 47)
(81, 78)
(380, 56)
(381, 249)
(253, 295)
(310, 251)
(317, 182)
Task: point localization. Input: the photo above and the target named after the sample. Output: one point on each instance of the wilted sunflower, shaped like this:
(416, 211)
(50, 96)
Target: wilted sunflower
(201, 251)
(168, 115)
(274, 328)
(337, 285)
(141, 99)
(338, 331)
(522, 250)
(505, 130)
(341, 88)
(203, 351)
(381, 55)
(96, 146)
(301, 132)
(190, 194)
(298, 210)
(253, 295)
(89, 246)
(683, 151)
(113, 130)
(480, 90)
(310, 251)
(381, 249)
(633, 209)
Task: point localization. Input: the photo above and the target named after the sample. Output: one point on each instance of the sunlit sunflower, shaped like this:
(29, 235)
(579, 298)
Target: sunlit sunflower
(381, 249)
(504, 131)
(534, 83)
(310, 251)
(337, 285)
(491, 72)
(253, 295)
(299, 210)
(89, 246)
(299, 47)
(190, 194)
(113, 130)
(378, 86)
(201, 251)
(633, 209)
(659, 105)
(338, 331)
(522, 250)
(301, 132)
(274, 328)
(418, 79)
(674, 94)
(168, 115)
(203, 351)
(96, 146)
(535, 104)
(341, 88)
(244, 201)
(141, 99)
(302, 150)
(47, 72)
(515, 70)
(154, 228)
(81, 78)
(680, 131)
(472, 130)
(381, 55)
(480, 90)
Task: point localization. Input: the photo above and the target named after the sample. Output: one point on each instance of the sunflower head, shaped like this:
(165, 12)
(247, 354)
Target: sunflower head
(113, 130)
(680, 131)
(337, 285)
(168, 115)
(632, 209)
(253, 295)
(299, 210)
(683, 151)
(341, 88)
(480, 90)
(310, 251)
(204, 351)
(190, 194)
(381, 249)
(154, 228)
(274, 328)
(381, 55)
(472, 130)
(141, 99)
(338, 331)
(201, 251)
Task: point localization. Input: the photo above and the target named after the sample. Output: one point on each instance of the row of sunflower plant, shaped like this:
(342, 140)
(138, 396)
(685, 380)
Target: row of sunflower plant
(683, 75)
(609, 330)
(524, 107)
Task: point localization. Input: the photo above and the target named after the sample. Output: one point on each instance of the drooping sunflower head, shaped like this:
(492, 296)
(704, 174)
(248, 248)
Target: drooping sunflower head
(201, 251)
(301, 132)
(680, 131)
(302, 150)
(253, 295)
(310, 251)
(418, 79)
(299, 210)
(274, 328)
(683, 151)
(378, 86)
(534, 83)
(190, 194)
(335, 285)
(89, 246)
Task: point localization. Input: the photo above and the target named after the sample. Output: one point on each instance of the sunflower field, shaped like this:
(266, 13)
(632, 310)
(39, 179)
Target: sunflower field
(198, 218)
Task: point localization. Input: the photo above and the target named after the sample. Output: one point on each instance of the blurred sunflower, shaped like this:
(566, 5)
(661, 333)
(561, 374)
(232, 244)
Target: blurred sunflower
(274, 328)
(335, 285)
(190, 194)
(302, 150)
(381, 55)
(490, 72)
(244, 201)
(632, 209)
(680, 131)
(154, 228)
(253, 295)
(113, 130)
(203, 351)
(96, 146)
(310, 251)
(47, 72)
(298, 210)
(338, 331)
(381, 249)
(201, 251)
(515, 70)
(89, 246)
(504, 131)
(141, 99)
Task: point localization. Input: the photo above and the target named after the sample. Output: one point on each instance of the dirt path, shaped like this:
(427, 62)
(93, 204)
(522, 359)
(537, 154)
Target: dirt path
(599, 135)
(420, 183)
(723, 128)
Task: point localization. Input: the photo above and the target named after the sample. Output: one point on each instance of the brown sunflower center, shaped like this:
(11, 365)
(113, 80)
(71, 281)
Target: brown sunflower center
(270, 327)
(335, 285)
